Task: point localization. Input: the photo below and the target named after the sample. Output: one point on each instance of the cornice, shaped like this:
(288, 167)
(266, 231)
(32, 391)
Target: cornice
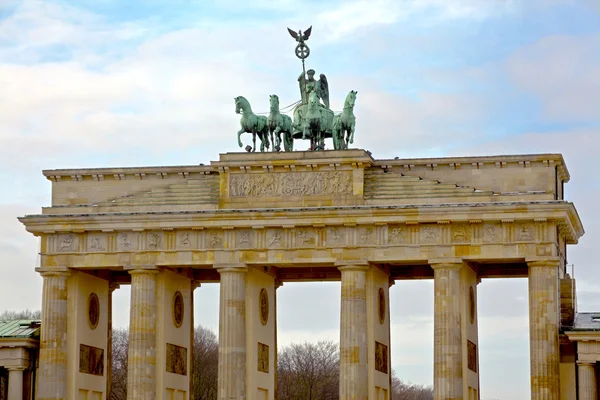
(562, 212)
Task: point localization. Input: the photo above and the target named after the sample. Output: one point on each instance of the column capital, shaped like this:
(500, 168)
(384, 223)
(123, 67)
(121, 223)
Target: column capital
(141, 269)
(53, 271)
(16, 368)
(352, 265)
(446, 263)
(546, 262)
(231, 267)
(586, 363)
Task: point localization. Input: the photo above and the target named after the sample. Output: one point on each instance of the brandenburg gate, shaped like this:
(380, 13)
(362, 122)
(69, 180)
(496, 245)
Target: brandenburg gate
(253, 221)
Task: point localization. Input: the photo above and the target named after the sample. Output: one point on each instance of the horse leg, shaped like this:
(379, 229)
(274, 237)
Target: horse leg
(253, 141)
(277, 144)
(351, 132)
(239, 135)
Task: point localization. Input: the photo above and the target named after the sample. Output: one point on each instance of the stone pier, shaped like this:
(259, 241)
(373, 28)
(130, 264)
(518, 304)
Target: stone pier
(588, 389)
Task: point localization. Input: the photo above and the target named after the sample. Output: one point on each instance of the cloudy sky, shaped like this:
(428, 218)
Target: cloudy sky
(97, 83)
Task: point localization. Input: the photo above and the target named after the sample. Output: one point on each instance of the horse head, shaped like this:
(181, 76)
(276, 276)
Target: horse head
(241, 104)
(350, 99)
(313, 100)
(274, 101)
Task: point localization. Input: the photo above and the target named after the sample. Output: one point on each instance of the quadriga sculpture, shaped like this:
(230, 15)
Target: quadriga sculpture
(279, 123)
(345, 123)
(252, 123)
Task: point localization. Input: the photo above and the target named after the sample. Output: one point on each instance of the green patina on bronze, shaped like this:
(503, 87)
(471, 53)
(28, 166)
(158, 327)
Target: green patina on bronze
(313, 118)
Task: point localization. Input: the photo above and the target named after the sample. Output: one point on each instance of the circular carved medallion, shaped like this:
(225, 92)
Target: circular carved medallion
(472, 304)
(381, 306)
(178, 309)
(263, 306)
(93, 310)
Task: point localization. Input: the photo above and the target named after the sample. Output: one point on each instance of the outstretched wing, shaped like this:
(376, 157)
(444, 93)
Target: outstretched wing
(306, 33)
(293, 33)
(323, 89)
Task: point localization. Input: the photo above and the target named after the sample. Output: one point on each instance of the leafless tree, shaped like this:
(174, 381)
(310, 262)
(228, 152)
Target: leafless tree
(206, 361)
(309, 371)
(24, 314)
(120, 345)
(409, 391)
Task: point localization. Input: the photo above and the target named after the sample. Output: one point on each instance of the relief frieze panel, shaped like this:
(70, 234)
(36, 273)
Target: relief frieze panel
(460, 233)
(302, 237)
(128, 241)
(524, 232)
(492, 233)
(306, 237)
(214, 239)
(96, 242)
(245, 239)
(398, 234)
(185, 240)
(275, 238)
(155, 240)
(430, 234)
(294, 184)
(336, 236)
(367, 236)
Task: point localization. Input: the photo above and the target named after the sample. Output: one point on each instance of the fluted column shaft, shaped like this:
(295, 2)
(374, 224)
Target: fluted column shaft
(141, 361)
(543, 330)
(109, 348)
(15, 383)
(52, 373)
(447, 373)
(232, 334)
(586, 380)
(353, 333)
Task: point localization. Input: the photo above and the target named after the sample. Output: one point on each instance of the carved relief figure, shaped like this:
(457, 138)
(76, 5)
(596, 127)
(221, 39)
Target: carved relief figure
(93, 310)
(244, 239)
(66, 243)
(293, 184)
(215, 240)
(178, 309)
(366, 236)
(381, 357)
(460, 234)
(490, 233)
(153, 240)
(305, 237)
(263, 358)
(185, 239)
(430, 234)
(91, 360)
(398, 235)
(275, 240)
(124, 241)
(336, 236)
(263, 306)
(96, 244)
(525, 232)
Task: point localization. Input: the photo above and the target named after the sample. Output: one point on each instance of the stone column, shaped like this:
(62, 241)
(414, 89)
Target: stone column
(543, 329)
(586, 371)
(447, 348)
(141, 368)
(353, 333)
(52, 373)
(278, 284)
(193, 286)
(15, 383)
(232, 333)
(108, 367)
